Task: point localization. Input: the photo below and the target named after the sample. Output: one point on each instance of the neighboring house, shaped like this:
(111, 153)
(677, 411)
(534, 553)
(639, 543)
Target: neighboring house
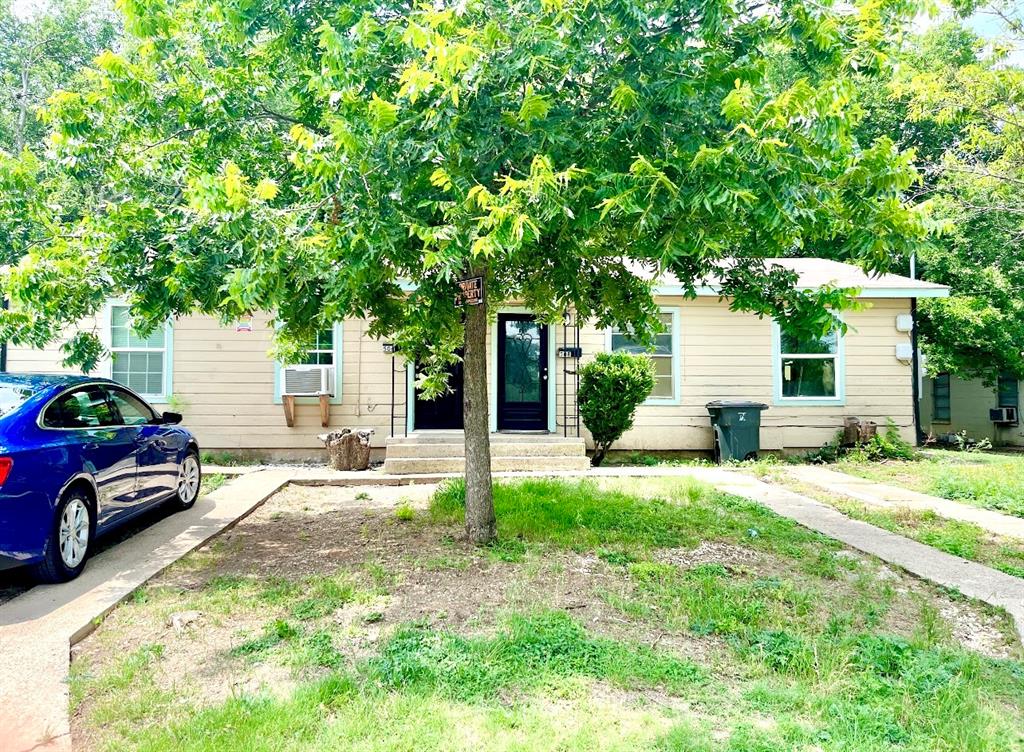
(951, 405)
(234, 397)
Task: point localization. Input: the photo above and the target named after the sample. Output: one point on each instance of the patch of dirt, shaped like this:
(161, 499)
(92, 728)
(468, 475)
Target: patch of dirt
(730, 556)
(423, 573)
(976, 630)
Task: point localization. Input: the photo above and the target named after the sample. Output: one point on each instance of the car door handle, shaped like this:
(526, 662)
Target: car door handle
(90, 446)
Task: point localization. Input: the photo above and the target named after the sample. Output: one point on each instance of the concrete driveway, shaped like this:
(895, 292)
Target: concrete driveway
(39, 626)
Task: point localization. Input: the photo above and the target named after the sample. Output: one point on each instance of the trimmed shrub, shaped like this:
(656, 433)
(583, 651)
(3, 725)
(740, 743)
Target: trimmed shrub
(611, 388)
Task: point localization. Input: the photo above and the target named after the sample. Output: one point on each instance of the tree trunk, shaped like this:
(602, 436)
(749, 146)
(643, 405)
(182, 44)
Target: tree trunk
(480, 525)
(599, 452)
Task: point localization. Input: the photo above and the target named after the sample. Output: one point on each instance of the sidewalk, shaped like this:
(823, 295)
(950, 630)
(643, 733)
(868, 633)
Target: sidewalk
(882, 495)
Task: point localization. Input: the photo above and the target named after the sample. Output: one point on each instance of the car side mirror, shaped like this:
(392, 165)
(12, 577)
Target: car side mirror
(172, 419)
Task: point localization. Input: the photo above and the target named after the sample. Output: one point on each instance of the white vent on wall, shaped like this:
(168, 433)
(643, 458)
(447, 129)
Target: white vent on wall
(308, 381)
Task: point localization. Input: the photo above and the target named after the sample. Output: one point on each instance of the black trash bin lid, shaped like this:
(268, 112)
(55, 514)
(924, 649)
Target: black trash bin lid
(747, 404)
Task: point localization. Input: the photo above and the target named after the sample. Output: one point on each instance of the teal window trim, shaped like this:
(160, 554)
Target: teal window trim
(840, 358)
(168, 350)
(942, 402)
(338, 334)
(677, 378)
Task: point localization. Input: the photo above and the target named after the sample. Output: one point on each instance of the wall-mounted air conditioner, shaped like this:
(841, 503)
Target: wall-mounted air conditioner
(308, 381)
(1003, 415)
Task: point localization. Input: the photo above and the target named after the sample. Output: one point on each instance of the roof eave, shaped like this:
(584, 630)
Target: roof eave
(711, 291)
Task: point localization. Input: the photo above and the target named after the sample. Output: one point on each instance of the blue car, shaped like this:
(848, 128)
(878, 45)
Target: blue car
(79, 456)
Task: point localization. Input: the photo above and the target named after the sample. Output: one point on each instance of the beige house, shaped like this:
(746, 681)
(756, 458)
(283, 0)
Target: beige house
(952, 405)
(234, 397)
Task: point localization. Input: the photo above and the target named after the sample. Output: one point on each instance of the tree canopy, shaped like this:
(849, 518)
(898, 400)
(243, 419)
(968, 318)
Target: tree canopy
(339, 158)
(39, 55)
(956, 100)
(319, 160)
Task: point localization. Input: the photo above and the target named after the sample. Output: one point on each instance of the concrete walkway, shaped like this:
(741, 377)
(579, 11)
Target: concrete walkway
(38, 628)
(973, 580)
(891, 497)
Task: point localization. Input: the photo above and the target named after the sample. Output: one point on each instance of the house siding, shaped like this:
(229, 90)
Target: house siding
(224, 382)
(969, 403)
(728, 355)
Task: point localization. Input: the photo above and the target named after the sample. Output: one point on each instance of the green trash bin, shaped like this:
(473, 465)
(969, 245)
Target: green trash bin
(737, 428)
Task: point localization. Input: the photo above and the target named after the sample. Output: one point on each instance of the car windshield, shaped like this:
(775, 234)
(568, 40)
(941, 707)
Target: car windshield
(12, 397)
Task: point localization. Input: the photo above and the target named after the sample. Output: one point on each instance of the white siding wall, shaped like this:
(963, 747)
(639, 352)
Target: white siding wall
(223, 382)
(727, 355)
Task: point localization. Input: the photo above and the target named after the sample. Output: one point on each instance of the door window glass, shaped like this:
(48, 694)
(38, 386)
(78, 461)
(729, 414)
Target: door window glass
(12, 397)
(133, 411)
(522, 361)
(87, 407)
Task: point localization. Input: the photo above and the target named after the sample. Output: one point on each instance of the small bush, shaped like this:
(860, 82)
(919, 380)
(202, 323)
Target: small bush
(611, 388)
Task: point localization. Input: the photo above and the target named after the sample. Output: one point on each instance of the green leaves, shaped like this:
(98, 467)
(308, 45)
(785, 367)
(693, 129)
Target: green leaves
(382, 114)
(534, 107)
(329, 161)
(955, 105)
(624, 98)
(611, 387)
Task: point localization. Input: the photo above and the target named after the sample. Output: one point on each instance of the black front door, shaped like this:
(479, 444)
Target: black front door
(445, 412)
(522, 373)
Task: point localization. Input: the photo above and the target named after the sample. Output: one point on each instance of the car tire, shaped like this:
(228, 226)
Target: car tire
(190, 479)
(70, 542)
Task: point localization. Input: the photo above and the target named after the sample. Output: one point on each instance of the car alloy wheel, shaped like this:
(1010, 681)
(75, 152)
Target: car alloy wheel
(74, 533)
(188, 479)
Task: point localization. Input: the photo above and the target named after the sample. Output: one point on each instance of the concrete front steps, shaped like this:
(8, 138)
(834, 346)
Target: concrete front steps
(444, 452)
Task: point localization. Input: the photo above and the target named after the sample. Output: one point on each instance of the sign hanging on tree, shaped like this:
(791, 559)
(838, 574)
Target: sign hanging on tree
(471, 291)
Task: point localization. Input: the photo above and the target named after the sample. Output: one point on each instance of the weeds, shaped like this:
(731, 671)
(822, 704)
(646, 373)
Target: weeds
(274, 633)
(582, 516)
(211, 483)
(404, 512)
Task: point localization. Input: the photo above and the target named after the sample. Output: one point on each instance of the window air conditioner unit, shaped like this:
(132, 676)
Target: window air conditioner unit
(308, 381)
(1004, 415)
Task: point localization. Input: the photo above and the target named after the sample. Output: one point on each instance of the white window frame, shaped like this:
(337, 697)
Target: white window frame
(839, 356)
(106, 338)
(339, 331)
(676, 397)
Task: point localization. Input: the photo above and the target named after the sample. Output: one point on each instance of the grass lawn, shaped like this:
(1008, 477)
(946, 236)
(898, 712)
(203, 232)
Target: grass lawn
(621, 615)
(989, 480)
(963, 539)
